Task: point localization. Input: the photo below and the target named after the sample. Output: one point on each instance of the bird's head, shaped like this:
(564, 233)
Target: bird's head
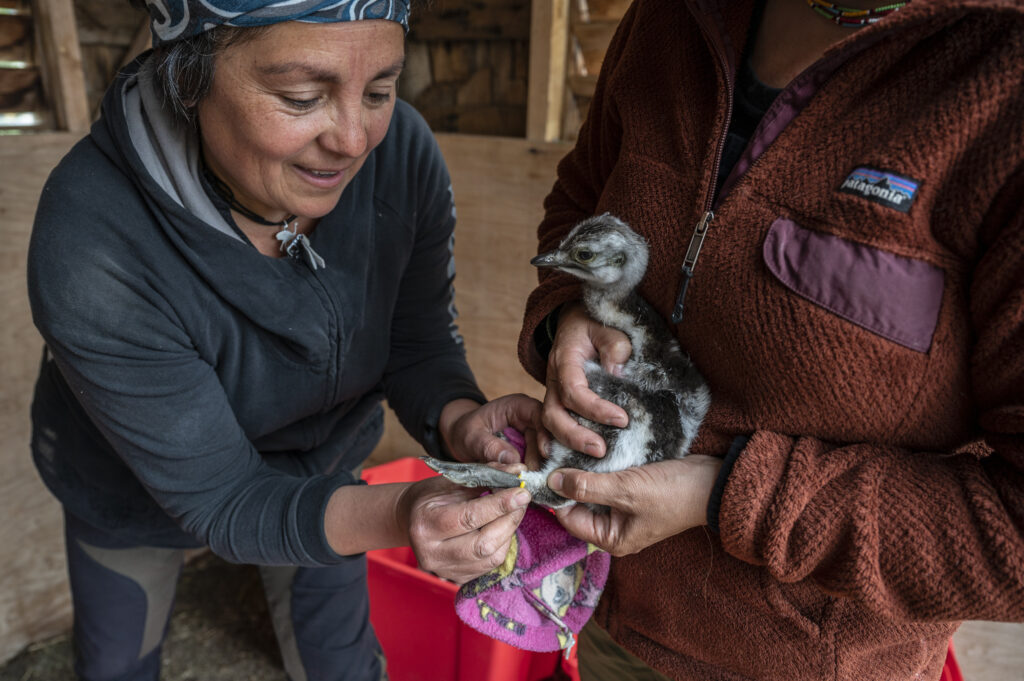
(602, 251)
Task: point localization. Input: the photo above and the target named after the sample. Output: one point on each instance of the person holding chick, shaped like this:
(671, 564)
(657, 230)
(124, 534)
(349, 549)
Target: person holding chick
(832, 198)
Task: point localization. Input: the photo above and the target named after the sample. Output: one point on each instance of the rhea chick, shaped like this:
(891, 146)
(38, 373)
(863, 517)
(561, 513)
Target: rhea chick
(659, 388)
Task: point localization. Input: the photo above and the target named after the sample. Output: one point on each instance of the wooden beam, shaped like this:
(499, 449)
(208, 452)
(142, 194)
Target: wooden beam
(62, 59)
(549, 45)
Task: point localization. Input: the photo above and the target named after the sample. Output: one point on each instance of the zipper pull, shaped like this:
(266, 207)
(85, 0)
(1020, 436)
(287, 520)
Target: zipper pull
(690, 261)
(297, 246)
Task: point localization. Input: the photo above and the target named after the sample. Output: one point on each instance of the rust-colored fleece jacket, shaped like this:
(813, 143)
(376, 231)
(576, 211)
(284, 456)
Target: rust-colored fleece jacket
(858, 311)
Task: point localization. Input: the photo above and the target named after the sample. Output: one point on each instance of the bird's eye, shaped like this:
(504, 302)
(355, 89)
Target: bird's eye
(583, 255)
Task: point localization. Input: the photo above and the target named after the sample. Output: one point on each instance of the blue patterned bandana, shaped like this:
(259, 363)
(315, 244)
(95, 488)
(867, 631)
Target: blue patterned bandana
(174, 19)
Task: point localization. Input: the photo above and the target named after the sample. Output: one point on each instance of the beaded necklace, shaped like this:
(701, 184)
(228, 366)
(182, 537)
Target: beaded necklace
(852, 17)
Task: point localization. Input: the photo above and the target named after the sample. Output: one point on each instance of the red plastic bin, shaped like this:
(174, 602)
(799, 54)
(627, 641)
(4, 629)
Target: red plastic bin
(951, 670)
(413, 614)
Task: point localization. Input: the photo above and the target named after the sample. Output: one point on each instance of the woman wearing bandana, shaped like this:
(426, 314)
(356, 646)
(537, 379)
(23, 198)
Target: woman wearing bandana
(250, 250)
(832, 199)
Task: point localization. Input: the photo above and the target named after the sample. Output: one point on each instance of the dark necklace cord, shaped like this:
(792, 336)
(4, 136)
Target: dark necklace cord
(224, 191)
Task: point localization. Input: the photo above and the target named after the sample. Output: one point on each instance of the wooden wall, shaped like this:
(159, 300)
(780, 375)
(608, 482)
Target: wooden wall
(21, 86)
(467, 65)
(33, 595)
(107, 31)
(41, 84)
(499, 185)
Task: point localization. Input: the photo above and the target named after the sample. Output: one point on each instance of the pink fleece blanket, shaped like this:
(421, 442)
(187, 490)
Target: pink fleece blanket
(546, 589)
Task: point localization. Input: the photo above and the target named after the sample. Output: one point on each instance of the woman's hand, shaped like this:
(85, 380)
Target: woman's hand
(469, 428)
(456, 533)
(648, 503)
(578, 339)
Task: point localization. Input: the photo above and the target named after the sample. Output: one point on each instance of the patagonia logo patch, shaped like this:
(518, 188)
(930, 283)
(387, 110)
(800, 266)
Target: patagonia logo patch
(880, 186)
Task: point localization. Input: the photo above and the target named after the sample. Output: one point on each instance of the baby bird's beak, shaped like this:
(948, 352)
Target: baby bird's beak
(549, 259)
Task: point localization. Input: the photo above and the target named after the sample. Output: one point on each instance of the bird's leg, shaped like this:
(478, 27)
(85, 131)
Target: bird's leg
(473, 474)
(482, 475)
(537, 483)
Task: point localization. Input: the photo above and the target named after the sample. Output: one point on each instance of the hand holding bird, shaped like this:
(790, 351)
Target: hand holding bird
(663, 394)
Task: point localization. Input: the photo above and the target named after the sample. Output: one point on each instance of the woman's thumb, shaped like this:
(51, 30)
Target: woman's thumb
(578, 485)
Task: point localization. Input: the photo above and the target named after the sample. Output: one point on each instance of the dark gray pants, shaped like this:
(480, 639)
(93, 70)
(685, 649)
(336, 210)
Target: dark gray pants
(123, 593)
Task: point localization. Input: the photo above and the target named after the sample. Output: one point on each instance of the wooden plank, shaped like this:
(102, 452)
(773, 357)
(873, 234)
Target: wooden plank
(16, 7)
(453, 62)
(575, 110)
(62, 59)
(990, 651)
(549, 41)
(599, 10)
(510, 62)
(583, 86)
(14, 81)
(13, 31)
(141, 41)
(33, 592)
(474, 21)
(593, 39)
(111, 23)
(500, 184)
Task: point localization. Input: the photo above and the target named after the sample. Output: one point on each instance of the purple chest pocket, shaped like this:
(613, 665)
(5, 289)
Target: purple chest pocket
(893, 296)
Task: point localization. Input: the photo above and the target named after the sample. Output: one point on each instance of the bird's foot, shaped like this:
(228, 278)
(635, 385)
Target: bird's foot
(482, 475)
(473, 474)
